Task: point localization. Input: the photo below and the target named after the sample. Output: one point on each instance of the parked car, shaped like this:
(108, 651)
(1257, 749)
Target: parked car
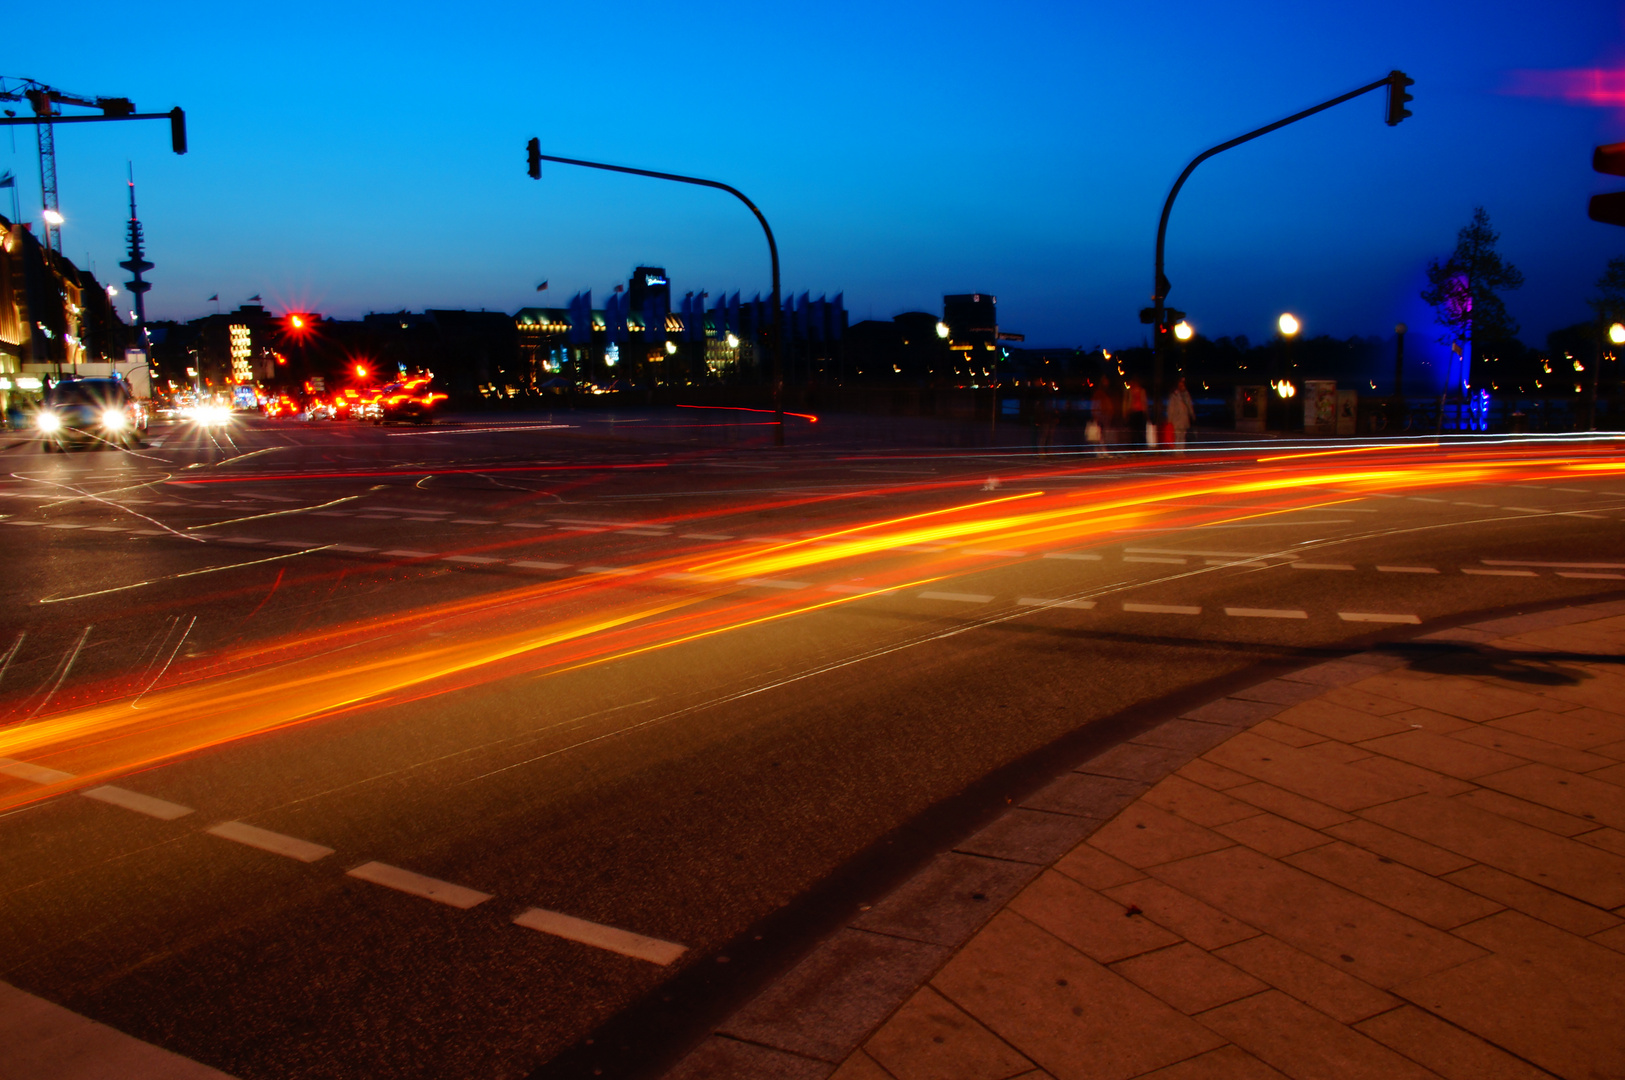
(90, 411)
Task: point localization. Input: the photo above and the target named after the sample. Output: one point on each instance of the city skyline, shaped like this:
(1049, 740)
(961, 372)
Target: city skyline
(934, 151)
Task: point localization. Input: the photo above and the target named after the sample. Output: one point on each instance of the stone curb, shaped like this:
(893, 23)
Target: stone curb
(807, 1022)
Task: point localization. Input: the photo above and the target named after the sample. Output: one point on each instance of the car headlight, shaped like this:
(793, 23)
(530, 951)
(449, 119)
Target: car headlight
(115, 420)
(49, 422)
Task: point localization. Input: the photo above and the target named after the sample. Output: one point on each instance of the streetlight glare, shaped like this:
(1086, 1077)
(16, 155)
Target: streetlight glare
(1183, 331)
(1616, 334)
(942, 329)
(1289, 324)
(52, 217)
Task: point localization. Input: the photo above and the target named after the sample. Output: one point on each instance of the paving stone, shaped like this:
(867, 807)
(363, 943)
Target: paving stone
(1376, 877)
(827, 1003)
(719, 1058)
(1451, 696)
(1342, 928)
(1097, 926)
(1614, 939)
(1614, 750)
(1429, 720)
(1364, 701)
(1338, 752)
(1548, 753)
(1608, 839)
(1288, 805)
(1582, 796)
(1447, 1050)
(1285, 733)
(1204, 772)
(1541, 817)
(1187, 978)
(1275, 836)
(1581, 728)
(1335, 993)
(1030, 836)
(1128, 761)
(1047, 1000)
(1540, 620)
(1207, 927)
(1584, 873)
(930, 1038)
(1192, 735)
(1544, 995)
(1193, 802)
(1143, 836)
(1304, 1043)
(1336, 673)
(1453, 757)
(1345, 787)
(1531, 899)
(1279, 692)
(1399, 847)
(1416, 777)
(1334, 721)
(1613, 774)
(1098, 797)
(947, 901)
(1232, 712)
(860, 1066)
(1092, 867)
(1225, 1063)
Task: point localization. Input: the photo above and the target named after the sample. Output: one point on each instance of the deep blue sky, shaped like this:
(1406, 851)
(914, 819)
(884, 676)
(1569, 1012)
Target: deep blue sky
(348, 158)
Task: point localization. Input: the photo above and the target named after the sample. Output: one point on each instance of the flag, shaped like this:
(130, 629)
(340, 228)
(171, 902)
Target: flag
(618, 288)
(213, 299)
(8, 179)
(542, 286)
(255, 299)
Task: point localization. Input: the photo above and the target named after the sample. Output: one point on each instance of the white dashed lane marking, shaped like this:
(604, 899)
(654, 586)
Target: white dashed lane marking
(1038, 601)
(534, 564)
(1498, 573)
(957, 597)
(706, 536)
(266, 840)
(1562, 565)
(599, 936)
(1154, 559)
(1081, 556)
(1266, 613)
(1163, 609)
(1407, 570)
(134, 800)
(34, 774)
(1322, 566)
(478, 560)
(442, 892)
(1376, 617)
(772, 583)
(406, 553)
(1589, 574)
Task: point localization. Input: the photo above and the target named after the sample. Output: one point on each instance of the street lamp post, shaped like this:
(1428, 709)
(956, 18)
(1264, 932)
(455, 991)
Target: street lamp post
(1396, 82)
(776, 336)
(1398, 417)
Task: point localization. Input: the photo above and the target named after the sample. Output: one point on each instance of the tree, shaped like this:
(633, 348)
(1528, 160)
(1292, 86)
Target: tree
(1609, 303)
(1464, 290)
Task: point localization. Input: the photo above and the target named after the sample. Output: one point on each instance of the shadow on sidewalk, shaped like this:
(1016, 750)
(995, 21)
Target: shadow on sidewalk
(1535, 669)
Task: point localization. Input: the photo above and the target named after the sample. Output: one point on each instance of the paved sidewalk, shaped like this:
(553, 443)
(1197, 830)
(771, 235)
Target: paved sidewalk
(1404, 865)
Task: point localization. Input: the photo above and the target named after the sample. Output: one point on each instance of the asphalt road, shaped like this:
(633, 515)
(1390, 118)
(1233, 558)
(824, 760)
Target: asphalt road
(309, 715)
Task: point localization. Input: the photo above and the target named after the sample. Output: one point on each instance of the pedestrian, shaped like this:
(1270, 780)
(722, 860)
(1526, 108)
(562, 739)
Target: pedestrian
(1181, 415)
(1135, 407)
(1102, 413)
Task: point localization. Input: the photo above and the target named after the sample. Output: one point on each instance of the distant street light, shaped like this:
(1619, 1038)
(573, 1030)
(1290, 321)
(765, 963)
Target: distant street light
(1183, 331)
(1288, 324)
(53, 217)
(942, 329)
(1616, 334)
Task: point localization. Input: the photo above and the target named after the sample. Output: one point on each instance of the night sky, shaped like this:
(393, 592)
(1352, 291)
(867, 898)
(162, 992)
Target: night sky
(350, 158)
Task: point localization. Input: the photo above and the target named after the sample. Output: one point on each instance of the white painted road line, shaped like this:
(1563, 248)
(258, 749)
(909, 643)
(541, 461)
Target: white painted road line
(407, 553)
(1265, 613)
(1498, 573)
(1038, 601)
(294, 544)
(1322, 566)
(532, 564)
(1372, 616)
(616, 571)
(472, 521)
(706, 536)
(772, 583)
(266, 840)
(1163, 609)
(957, 597)
(599, 936)
(1424, 498)
(1590, 574)
(646, 532)
(525, 525)
(478, 560)
(141, 804)
(1081, 556)
(105, 528)
(1525, 509)
(34, 774)
(352, 547)
(1562, 565)
(1407, 569)
(441, 892)
(1154, 559)
(64, 525)
(999, 554)
(1233, 562)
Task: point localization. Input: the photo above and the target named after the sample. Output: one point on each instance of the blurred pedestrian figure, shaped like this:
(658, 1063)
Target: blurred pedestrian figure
(1102, 414)
(1045, 419)
(1181, 415)
(1135, 407)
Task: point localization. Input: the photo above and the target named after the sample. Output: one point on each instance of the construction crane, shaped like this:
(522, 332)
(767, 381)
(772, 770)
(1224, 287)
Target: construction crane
(45, 101)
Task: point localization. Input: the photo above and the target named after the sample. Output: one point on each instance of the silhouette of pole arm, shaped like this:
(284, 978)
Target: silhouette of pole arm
(776, 336)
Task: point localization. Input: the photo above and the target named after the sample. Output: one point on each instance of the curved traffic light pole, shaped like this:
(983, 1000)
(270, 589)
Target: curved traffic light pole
(1397, 83)
(776, 336)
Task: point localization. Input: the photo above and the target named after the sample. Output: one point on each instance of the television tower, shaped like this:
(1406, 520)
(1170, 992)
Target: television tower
(137, 264)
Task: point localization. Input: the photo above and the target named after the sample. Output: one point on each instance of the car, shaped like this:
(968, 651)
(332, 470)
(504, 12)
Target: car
(90, 411)
(413, 400)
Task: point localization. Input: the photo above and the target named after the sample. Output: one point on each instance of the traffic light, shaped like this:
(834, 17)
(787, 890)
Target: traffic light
(534, 148)
(177, 129)
(1398, 85)
(1610, 208)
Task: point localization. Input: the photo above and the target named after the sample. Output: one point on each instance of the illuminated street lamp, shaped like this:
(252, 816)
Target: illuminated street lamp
(1616, 334)
(1288, 324)
(942, 329)
(1183, 331)
(54, 218)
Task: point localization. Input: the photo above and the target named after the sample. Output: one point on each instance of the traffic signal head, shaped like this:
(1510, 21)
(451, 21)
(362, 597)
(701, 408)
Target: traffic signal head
(1399, 85)
(534, 149)
(177, 129)
(1609, 208)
